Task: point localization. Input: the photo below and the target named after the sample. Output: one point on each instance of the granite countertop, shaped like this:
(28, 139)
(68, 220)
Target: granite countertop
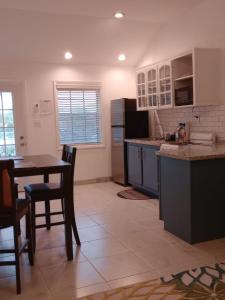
(146, 141)
(186, 152)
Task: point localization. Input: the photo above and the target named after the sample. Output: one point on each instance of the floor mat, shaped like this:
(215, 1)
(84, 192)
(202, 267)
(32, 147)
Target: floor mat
(132, 194)
(203, 283)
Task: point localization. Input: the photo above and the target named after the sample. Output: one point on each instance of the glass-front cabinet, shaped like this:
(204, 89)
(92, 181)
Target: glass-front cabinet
(152, 96)
(141, 91)
(154, 87)
(165, 85)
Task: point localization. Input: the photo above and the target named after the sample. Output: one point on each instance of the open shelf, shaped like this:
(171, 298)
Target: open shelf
(184, 77)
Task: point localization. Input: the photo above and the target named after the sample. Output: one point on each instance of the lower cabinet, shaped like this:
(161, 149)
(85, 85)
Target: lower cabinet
(143, 167)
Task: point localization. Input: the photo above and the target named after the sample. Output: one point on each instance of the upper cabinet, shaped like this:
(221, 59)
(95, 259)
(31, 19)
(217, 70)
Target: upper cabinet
(141, 90)
(158, 87)
(164, 85)
(152, 96)
(182, 68)
(191, 79)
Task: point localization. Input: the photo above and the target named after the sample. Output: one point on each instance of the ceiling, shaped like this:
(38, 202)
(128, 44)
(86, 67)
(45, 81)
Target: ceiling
(42, 30)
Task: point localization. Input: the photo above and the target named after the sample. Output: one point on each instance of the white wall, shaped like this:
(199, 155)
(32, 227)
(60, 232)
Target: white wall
(201, 27)
(41, 138)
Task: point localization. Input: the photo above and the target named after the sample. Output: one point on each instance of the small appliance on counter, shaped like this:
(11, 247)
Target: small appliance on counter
(203, 138)
(126, 123)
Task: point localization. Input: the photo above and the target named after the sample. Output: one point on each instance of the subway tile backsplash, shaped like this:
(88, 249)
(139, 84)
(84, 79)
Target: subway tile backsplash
(201, 119)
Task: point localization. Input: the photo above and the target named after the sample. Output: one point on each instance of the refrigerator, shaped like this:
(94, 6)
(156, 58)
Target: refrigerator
(126, 123)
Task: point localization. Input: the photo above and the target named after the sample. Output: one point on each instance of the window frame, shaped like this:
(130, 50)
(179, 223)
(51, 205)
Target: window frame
(78, 85)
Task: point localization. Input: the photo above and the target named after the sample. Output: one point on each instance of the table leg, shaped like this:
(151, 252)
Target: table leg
(68, 213)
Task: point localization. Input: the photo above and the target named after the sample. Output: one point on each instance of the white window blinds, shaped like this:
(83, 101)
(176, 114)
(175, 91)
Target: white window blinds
(79, 115)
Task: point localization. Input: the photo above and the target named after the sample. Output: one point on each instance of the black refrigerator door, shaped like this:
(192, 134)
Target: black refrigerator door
(118, 155)
(136, 125)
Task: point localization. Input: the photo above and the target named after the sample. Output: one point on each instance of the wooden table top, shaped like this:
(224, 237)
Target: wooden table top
(39, 164)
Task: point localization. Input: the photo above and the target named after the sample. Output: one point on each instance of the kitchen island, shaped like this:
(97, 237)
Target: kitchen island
(191, 185)
(192, 191)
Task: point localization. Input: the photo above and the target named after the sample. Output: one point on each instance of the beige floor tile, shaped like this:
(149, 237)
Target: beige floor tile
(102, 248)
(32, 285)
(140, 239)
(56, 256)
(70, 276)
(46, 239)
(104, 218)
(133, 279)
(120, 265)
(82, 292)
(122, 227)
(84, 221)
(92, 233)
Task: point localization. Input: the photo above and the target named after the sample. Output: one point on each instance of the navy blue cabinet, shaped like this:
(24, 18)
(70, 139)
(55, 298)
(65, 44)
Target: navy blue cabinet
(143, 167)
(150, 169)
(134, 164)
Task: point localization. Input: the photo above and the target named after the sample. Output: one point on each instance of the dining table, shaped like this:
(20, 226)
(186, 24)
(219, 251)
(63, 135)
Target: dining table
(33, 165)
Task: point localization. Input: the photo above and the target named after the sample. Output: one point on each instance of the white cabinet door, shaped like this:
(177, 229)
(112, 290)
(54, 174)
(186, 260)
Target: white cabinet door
(165, 85)
(152, 87)
(141, 91)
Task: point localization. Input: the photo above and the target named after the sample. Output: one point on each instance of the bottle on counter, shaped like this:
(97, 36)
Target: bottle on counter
(181, 134)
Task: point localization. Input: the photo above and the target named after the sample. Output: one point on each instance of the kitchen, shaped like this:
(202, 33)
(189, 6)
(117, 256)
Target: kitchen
(185, 156)
(123, 241)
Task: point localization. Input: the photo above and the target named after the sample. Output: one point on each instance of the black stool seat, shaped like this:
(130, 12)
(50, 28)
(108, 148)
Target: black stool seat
(38, 190)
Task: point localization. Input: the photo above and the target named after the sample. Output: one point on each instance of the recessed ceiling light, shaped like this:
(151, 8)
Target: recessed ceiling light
(68, 55)
(122, 57)
(119, 14)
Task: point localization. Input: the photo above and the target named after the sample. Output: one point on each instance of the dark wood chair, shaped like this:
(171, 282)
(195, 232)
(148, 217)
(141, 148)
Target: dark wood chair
(12, 210)
(50, 191)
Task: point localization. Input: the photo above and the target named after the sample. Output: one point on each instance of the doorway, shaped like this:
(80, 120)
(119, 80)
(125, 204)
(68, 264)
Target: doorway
(12, 119)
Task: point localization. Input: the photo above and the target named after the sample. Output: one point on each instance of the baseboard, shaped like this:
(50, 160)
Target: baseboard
(95, 180)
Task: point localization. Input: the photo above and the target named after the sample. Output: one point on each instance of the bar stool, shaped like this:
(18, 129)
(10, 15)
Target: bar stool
(50, 191)
(12, 210)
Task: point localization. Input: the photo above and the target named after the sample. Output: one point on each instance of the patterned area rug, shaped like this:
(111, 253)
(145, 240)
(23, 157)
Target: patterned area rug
(132, 195)
(205, 283)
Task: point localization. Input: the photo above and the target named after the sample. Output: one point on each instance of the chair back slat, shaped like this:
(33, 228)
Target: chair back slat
(69, 155)
(7, 193)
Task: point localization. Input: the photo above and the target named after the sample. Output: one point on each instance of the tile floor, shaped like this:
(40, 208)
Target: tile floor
(123, 242)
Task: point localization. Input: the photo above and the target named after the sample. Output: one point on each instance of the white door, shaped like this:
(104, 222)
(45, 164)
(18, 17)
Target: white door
(12, 119)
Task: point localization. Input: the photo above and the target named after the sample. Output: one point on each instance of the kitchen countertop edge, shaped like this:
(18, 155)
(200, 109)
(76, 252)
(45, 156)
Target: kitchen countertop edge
(188, 152)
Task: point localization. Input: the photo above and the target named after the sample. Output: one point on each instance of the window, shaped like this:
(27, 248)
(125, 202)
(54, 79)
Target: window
(7, 130)
(79, 114)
